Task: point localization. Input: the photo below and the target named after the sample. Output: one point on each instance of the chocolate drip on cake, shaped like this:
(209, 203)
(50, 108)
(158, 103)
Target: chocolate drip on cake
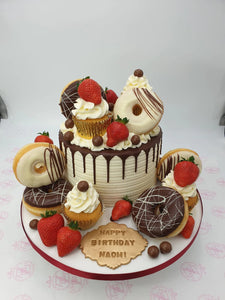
(168, 165)
(153, 144)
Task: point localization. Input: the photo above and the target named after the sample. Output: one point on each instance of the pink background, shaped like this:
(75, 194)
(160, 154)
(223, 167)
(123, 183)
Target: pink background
(181, 48)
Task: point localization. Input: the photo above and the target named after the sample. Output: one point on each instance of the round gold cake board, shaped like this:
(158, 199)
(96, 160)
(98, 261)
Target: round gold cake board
(76, 263)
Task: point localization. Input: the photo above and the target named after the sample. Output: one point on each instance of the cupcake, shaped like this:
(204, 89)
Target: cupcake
(91, 113)
(83, 205)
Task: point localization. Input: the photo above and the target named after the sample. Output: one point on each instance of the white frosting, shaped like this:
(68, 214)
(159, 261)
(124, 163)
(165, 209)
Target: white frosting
(78, 201)
(82, 142)
(139, 82)
(186, 192)
(88, 110)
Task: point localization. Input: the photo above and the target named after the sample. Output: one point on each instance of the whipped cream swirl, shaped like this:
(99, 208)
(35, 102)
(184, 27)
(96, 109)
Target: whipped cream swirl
(88, 110)
(186, 192)
(86, 202)
(137, 82)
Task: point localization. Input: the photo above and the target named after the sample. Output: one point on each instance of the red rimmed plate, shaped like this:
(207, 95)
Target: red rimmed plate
(76, 263)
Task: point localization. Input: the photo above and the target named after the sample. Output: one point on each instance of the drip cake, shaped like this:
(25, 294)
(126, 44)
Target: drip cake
(116, 146)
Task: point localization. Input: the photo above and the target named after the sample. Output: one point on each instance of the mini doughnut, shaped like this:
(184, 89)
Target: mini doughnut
(38, 164)
(142, 107)
(160, 212)
(38, 200)
(171, 158)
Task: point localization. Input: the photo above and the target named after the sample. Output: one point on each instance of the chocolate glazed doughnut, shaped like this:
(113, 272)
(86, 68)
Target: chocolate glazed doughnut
(160, 212)
(49, 197)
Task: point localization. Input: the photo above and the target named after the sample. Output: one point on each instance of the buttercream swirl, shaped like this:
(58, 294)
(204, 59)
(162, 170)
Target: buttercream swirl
(186, 192)
(137, 82)
(86, 202)
(88, 110)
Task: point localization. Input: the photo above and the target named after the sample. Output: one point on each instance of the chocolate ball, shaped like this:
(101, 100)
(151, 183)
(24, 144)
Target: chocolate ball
(153, 251)
(138, 73)
(165, 247)
(69, 123)
(68, 136)
(83, 186)
(33, 224)
(135, 140)
(97, 140)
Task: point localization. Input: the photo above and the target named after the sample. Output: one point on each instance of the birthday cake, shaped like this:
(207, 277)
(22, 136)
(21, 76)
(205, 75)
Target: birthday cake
(116, 147)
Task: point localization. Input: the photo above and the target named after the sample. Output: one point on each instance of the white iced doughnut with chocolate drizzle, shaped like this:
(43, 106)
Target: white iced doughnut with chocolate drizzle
(38, 164)
(142, 107)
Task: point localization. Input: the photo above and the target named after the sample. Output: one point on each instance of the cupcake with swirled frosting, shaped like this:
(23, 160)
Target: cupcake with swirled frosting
(91, 113)
(82, 205)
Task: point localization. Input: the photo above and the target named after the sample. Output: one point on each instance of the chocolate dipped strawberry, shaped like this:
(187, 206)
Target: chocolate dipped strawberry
(117, 132)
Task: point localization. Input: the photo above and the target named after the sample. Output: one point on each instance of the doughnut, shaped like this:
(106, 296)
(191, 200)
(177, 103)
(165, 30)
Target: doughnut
(50, 197)
(171, 158)
(160, 212)
(38, 164)
(142, 107)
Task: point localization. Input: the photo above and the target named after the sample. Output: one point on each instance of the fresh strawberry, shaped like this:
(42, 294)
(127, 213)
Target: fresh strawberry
(187, 231)
(89, 90)
(68, 238)
(43, 137)
(48, 227)
(122, 208)
(117, 132)
(111, 96)
(186, 172)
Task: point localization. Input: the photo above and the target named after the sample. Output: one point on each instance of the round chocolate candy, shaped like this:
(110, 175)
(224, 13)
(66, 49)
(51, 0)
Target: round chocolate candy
(138, 73)
(153, 251)
(165, 247)
(68, 136)
(69, 123)
(97, 140)
(135, 140)
(111, 106)
(83, 186)
(33, 224)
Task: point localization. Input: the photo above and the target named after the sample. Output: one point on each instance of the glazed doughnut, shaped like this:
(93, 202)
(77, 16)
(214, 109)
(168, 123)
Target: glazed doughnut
(171, 158)
(38, 164)
(160, 212)
(142, 107)
(38, 200)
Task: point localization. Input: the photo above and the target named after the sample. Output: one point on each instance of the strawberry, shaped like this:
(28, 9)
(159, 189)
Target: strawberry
(117, 132)
(48, 227)
(89, 90)
(43, 137)
(68, 238)
(122, 208)
(186, 172)
(188, 228)
(111, 96)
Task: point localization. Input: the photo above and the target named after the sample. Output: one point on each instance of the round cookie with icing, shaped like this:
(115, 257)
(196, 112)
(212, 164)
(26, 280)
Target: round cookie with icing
(140, 105)
(160, 212)
(171, 158)
(39, 164)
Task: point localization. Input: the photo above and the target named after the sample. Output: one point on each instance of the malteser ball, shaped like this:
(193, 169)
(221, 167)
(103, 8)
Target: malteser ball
(135, 140)
(138, 73)
(33, 224)
(97, 140)
(69, 123)
(83, 186)
(165, 247)
(153, 251)
(68, 136)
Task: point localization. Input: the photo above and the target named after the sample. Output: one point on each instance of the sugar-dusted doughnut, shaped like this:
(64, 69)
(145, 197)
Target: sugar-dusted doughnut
(142, 107)
(38, 164)
(160, 212)
(49, 197)
(171, 158)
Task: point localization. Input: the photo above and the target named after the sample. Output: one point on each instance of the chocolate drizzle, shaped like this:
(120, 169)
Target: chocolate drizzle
(54, 162)
(152, 106)
(153, 144)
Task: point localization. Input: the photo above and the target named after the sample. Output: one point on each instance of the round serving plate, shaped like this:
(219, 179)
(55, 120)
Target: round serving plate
(76, 263)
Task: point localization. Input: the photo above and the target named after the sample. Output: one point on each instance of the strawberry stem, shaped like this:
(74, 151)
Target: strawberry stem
(44, 133)
(124, 120)
(127, 199)
(49, 213)
(73, 225)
